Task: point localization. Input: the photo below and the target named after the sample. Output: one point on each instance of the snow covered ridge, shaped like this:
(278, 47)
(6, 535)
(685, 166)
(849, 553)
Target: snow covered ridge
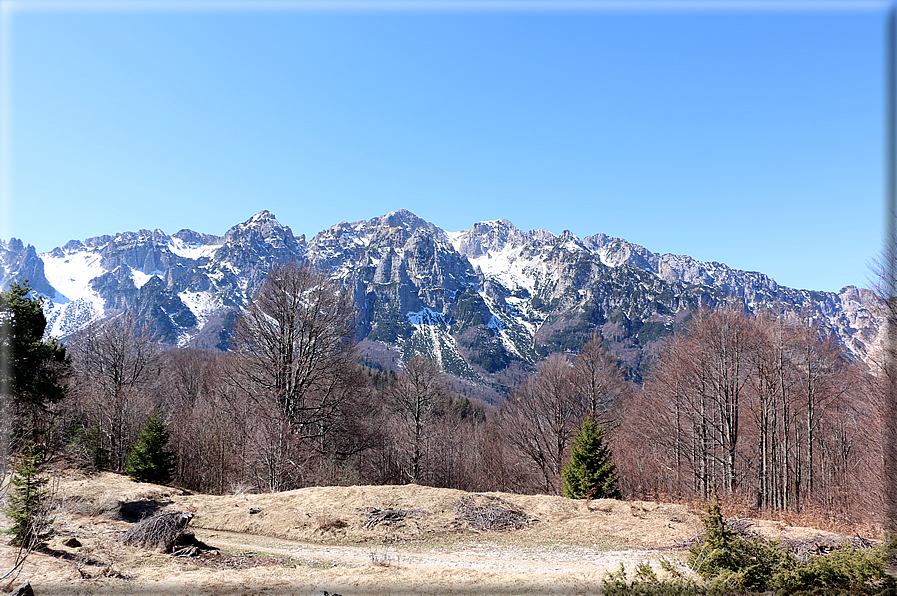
(478, 299)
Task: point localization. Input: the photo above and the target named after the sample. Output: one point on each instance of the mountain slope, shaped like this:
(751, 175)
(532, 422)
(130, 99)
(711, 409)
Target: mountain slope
(486, 302)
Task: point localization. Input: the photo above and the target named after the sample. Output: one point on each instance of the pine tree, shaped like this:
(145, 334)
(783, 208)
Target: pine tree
(32, 370)
(590, 474)
(148, 460)
(28, 503)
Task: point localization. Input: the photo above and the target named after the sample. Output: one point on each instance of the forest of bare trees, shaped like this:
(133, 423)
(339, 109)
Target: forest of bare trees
(763, 408)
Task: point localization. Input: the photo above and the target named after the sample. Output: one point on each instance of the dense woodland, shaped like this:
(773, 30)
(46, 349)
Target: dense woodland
(763, 409)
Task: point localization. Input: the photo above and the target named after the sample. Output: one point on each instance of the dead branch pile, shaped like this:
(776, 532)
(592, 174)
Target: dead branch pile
(375, 515)
(497, 514)
(807, 548)
(159, 532)
(741, 526)
(803, 548)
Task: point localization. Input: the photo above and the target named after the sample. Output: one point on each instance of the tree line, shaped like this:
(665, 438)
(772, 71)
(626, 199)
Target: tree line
(764, 408)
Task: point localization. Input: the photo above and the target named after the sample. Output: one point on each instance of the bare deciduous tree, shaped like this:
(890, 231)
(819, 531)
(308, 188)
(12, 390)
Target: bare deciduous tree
(296, 363)
(417, 395)
(765, 408)
(297, 344)
(540, 418)
(114, 362)
(598, 380)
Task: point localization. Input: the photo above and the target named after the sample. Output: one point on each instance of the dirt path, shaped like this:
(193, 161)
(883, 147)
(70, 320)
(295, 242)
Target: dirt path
(476, 556)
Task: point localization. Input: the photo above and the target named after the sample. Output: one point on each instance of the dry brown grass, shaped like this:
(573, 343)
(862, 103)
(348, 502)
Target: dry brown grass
(325, 522)
(318, 538)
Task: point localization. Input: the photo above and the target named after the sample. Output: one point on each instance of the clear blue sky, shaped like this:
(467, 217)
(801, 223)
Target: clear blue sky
(752, 137)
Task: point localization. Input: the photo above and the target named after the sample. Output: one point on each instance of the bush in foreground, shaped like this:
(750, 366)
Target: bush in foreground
(731, 563)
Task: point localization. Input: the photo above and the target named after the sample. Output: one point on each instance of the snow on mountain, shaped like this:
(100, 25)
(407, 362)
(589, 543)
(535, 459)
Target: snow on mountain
(478, 300)
(192, 250)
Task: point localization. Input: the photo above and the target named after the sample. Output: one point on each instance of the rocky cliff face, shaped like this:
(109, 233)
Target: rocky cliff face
(20, 263)
(483, 301)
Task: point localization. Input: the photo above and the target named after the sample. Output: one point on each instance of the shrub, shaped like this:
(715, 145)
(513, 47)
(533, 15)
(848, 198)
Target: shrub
(733, 561)
(735, 564)
(645, 582)
(846, 570)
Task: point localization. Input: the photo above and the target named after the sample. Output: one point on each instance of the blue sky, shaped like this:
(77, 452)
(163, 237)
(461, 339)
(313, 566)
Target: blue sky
(751, 135)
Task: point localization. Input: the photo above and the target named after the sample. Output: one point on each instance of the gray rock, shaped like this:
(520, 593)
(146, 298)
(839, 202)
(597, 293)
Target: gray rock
(24, 590)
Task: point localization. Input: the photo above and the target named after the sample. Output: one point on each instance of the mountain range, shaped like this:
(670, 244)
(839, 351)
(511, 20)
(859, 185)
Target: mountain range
(488, 302)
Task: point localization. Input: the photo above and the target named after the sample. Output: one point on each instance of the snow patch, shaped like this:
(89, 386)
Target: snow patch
(496, 324)
(140, 278)
(455, 238)
(201, 304)
(190, 250)
(425, 317)
(72, 272)
(510, 269)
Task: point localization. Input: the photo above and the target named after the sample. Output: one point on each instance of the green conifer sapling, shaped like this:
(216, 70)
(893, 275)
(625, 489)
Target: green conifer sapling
(148, 460)
(590, 473)
(28, 503)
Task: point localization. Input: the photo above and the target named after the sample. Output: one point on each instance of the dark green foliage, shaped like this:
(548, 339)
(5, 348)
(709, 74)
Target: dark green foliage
(590, 473)
(486, 350)
(36, 368)
(592, 313)
(733, 560)
(846, 570)
(570, 338)
(29, 502)
(148, 460)
(470, 311)
(383, 380)
(390, 325)
(652, 331)
(645, 582)
(735, 564)
(468, 410)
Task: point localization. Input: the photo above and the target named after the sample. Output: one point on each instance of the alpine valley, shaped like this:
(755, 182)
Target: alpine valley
(488, 302)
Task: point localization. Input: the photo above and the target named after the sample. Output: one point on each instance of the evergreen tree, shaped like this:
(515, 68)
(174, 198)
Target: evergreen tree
(35, 368)
(28, 503)
(590, 474)
(148, 460)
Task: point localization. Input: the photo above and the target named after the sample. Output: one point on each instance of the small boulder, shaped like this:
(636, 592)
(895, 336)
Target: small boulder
(71, 542)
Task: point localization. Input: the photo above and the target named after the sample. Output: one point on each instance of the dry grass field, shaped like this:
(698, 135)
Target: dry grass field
(353, 540)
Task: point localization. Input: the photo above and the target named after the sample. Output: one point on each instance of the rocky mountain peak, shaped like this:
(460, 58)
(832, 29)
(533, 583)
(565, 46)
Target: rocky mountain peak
(542, 236)
(484, 300)
(191, 237)
(487, 237)
(19, 263)
(262, 226)
(404, 218)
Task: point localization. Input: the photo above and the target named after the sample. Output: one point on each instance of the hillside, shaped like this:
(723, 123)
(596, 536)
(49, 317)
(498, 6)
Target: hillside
(328, 538)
